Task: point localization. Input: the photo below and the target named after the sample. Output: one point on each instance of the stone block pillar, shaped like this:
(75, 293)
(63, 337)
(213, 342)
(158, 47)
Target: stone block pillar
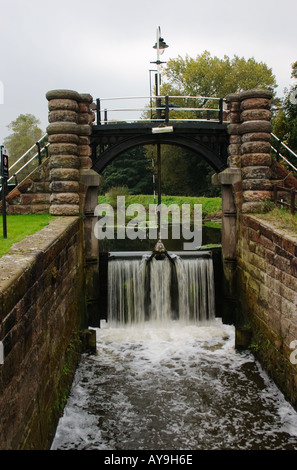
(249, 148)
(64, 152)
(255, 130)
(69, 131)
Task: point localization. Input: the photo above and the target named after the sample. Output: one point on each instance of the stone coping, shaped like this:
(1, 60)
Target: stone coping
(289, 234)
(27, 259)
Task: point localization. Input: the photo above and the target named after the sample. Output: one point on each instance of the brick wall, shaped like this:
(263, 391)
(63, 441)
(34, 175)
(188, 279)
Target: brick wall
(267, 290)
(41, 311)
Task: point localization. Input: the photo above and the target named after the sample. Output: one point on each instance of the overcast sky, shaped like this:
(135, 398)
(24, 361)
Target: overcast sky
(104, 47)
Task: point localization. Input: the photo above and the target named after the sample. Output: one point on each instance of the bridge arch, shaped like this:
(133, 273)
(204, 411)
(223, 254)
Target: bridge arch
(108, 144)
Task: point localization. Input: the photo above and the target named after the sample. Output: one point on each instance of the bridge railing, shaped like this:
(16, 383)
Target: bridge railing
(160, 108)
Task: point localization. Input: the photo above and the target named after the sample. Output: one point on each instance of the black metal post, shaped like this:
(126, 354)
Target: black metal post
(221, 112)
(39, 153)
(159, 188)
(158, 100)
(4, 185)
(293, 195)
(98, 111)
(166, 109)
(4, 174)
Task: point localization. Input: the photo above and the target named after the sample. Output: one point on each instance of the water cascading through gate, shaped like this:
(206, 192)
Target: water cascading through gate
(160, 291)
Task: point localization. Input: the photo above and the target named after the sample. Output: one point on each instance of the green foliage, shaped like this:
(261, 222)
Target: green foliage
(183, 172)
(25, 133)
(211, 206)
(208, 75)
(19, 227)
(114, 192)
(132, 169)
(281, 218)
(285, 119)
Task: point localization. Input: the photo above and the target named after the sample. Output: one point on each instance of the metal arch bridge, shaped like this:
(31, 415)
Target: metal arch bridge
(195, 123)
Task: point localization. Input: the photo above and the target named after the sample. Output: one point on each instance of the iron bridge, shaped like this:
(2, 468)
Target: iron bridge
(200, 127)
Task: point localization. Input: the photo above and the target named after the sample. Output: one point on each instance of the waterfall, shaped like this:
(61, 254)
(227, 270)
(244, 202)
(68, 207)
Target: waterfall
(160, 291)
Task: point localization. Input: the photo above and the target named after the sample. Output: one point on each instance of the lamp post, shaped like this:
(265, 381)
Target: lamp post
(160, 46)
(4, 175)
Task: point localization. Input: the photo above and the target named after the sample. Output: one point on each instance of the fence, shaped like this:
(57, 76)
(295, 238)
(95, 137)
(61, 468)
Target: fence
(292, 197)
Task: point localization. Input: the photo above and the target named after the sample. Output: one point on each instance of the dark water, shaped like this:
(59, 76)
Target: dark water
(173, 386)
(210, 235)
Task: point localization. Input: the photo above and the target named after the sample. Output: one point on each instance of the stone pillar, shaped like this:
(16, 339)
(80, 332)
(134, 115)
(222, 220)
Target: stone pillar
(228, 179)
(255, 130)
(234, 148)
(85, 120)
(64, 152)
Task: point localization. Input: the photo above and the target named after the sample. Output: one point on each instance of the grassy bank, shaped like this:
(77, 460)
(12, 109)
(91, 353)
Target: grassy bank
(280, 218)
(211, 206)
(19, 227)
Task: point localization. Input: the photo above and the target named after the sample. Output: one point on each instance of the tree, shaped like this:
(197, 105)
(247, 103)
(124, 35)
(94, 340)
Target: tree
(183, 172)
(207, 76)
(285, 119)
(212, 76)
(133, 170)
(25, 133)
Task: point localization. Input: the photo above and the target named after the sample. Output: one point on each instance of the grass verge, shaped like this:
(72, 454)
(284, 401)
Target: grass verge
(281, 219)
(19, 227)
(211, 206)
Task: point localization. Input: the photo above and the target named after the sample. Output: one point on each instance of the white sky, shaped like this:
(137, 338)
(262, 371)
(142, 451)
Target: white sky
(104, 47)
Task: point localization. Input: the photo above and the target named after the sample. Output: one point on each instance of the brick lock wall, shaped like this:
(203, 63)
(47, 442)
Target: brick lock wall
(41, 311)
(267, 292)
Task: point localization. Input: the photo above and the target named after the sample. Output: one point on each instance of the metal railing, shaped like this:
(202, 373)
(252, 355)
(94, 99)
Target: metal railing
(160, 108)
(282, 202)
(277, 150)
(38, 154)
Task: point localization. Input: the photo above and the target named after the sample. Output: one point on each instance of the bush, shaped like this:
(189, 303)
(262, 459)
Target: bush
(113, 193)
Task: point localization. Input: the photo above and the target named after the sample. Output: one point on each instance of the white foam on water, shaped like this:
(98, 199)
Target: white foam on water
(173, 386)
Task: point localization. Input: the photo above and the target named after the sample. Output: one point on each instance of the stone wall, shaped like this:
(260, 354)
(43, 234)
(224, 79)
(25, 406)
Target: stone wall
(41, 317)
(267, 291)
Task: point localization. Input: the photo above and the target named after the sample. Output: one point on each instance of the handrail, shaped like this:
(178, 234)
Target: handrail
(160, 96)
(278, 154)
(162, 110)
(27, 152)
(37, 154)
(284, 145)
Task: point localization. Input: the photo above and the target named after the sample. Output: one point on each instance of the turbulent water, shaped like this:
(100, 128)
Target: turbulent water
(173, 386)
(166, 375)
